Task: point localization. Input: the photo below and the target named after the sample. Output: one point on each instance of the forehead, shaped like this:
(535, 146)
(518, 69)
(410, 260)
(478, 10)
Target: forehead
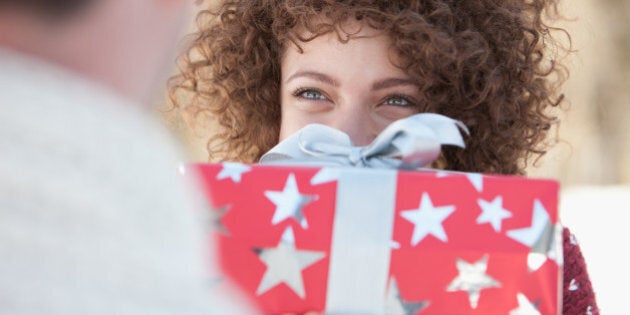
(354, 49)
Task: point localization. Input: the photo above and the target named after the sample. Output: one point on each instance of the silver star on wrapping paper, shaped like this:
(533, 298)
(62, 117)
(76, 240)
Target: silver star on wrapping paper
(216, 217)
(555, 248)
(475, 179)
(233, 170)
(472, 278)
(493, 212)
(539, 236)
(285, 264)
(395, 305)
(326, 175)
(525, 307)
(289, 202)
(427, 219)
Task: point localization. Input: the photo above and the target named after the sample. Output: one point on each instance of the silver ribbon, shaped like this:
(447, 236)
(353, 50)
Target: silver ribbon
(364, 208)
(407, 143)
(361, 248)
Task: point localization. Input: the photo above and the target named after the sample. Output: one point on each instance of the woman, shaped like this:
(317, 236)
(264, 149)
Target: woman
(266, 68)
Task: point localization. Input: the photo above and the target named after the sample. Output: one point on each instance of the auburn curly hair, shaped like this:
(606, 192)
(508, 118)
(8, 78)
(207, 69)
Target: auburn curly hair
(488, 63)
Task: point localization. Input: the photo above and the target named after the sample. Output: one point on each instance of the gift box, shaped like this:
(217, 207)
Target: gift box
(386, 241)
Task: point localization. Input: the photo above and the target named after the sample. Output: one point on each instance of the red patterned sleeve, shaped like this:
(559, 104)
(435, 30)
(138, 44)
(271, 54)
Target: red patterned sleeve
(577, 292)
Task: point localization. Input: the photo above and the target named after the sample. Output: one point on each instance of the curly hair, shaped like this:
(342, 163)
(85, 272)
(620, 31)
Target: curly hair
(488, 63)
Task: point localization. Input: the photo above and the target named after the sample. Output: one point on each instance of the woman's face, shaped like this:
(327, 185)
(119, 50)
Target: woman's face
(352, 86)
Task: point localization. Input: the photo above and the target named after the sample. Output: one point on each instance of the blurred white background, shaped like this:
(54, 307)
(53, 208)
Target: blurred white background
(595, 216)
(592, 160)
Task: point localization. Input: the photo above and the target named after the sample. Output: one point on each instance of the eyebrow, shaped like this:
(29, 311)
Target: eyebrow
(324, 78)
(391, 82)
(316, 76)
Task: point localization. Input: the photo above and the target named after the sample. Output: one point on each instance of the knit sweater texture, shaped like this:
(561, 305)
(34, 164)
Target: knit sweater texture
(578, 296)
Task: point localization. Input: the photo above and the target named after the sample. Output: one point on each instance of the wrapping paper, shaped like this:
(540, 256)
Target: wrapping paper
(375, 241)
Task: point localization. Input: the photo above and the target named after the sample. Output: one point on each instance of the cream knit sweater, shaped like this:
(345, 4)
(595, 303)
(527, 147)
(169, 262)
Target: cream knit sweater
(93, 215)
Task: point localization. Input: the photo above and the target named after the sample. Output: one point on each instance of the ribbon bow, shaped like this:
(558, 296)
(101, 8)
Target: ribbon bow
(407, 143)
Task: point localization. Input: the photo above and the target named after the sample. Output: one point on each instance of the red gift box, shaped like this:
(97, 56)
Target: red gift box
(372, 241)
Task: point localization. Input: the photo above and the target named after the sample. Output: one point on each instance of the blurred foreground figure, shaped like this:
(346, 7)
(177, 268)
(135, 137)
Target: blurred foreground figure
(93, 219)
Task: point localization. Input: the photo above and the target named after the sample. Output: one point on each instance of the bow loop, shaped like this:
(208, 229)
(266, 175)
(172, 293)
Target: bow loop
(411, 142)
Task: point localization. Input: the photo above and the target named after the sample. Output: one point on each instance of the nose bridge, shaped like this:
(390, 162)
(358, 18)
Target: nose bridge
(355, 120)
